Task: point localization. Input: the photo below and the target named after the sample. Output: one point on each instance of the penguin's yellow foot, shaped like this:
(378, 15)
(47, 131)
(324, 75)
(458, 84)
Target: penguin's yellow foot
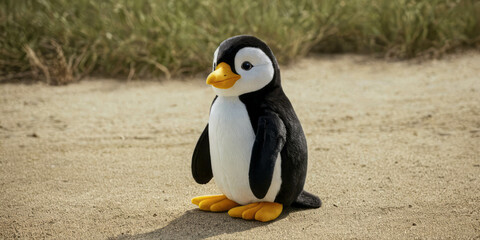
(215, 203)
(263, 211)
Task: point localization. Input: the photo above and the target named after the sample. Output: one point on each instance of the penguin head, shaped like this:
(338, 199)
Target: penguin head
(243, 64)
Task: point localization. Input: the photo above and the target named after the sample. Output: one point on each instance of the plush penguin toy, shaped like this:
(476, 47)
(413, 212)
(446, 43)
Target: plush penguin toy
(253, 145)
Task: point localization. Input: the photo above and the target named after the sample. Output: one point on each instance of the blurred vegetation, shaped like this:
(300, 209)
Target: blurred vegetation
(61, 41)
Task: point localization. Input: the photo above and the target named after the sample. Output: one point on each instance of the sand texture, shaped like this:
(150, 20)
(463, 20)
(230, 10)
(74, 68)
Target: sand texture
(393, 153)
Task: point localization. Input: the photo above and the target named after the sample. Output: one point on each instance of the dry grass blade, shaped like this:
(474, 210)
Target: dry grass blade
(160, 67)
(36, 63)
(63, 70)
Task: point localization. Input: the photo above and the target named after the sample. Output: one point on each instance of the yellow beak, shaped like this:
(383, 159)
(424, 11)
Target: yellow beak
(222, 77)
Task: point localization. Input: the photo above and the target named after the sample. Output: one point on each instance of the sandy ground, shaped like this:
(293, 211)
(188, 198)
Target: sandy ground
(393, 153)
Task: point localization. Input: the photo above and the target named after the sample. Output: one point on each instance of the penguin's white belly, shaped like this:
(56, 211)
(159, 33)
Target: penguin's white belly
(231, 139)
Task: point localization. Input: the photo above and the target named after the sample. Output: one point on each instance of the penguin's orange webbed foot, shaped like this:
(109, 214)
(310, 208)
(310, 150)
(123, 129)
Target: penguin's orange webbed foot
(263, 211)
(215, 203)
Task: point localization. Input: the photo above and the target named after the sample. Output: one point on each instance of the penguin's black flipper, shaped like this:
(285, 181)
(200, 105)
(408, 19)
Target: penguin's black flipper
(269, 141)
(307, 200)
(201, 164)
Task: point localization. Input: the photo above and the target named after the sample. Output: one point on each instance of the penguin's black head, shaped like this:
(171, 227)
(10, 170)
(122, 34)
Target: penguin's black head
(243, 64)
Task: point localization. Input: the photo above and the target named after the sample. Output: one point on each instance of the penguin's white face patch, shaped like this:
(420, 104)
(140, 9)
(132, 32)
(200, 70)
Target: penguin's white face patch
(254, 67)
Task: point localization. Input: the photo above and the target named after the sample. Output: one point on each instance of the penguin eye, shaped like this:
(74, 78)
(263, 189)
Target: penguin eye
(247, 66)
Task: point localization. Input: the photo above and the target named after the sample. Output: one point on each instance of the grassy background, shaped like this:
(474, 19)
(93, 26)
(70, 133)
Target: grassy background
(61, 41)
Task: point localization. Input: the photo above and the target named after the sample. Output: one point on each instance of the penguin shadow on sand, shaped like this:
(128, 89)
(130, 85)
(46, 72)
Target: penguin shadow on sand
(197, 224)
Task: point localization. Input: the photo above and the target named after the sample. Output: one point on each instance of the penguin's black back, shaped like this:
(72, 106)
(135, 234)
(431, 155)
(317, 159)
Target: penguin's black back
(294, 154)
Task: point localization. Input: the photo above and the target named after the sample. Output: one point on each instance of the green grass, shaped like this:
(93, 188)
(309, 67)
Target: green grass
(61, 41)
